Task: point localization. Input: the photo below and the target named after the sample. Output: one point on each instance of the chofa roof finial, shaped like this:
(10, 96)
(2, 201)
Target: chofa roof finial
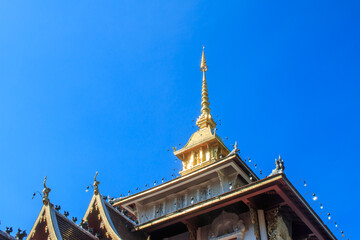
(280, 167)
(96, 184)
(235, 150)
(46, 192)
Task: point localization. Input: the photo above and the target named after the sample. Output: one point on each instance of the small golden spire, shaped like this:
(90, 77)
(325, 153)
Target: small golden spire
(204, 94)
(205, 118)
(46, 192)
(96, 184)
(203, 66)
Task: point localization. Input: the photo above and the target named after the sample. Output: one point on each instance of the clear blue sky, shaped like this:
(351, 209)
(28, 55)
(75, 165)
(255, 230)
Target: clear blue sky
(109, 86)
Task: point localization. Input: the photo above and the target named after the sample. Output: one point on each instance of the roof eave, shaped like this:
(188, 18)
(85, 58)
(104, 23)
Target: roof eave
(134, 197)
(246, 191)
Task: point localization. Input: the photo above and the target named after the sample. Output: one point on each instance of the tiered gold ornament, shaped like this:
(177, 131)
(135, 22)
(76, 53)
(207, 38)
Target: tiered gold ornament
(204, 146)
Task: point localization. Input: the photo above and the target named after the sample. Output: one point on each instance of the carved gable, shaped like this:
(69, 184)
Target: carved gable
(227, 224)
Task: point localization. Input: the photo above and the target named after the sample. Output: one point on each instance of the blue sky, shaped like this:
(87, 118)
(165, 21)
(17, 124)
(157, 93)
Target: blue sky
(109, 86)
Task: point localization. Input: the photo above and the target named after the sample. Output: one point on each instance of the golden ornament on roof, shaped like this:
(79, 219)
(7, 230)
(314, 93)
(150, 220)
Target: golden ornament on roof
(46, 192)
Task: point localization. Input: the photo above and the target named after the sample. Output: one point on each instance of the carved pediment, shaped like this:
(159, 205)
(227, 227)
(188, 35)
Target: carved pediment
(227, 224)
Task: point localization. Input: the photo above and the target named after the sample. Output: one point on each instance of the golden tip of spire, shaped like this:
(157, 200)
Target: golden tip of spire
(203, 66)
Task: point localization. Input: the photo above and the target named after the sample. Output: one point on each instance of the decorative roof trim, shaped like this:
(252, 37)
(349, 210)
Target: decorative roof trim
(107, 220)
(189, 146)
(89, 208)
(32, 232)
(105, 216)
(54, 229)
(184, 178)
(51, 222)
(210, 201)
(234, 193)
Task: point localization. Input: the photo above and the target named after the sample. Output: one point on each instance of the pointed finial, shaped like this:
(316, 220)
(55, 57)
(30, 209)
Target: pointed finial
(96, 184)
(205, 119)
(46, 192)
(235, 150)
(203, 66)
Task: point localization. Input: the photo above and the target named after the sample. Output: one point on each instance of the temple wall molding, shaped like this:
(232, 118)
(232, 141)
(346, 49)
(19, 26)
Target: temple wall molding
(185, 198)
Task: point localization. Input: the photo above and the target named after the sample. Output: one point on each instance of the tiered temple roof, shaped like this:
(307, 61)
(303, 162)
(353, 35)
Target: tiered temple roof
(51, 224)
(107, 221)
(217, 196)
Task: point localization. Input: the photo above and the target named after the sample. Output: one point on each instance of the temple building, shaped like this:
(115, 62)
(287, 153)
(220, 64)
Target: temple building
(217, 196)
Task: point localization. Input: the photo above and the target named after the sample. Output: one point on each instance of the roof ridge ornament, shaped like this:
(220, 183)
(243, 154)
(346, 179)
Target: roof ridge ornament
(46, 192)
(280, 167)
(235, 150)
(96, 184)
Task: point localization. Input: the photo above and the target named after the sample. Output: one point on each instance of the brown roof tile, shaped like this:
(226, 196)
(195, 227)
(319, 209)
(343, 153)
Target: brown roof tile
(71, 231)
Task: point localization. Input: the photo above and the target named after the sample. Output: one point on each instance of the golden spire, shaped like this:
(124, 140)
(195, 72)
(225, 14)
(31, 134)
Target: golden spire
(204, 146)
(203, 66)
(46, 192)
(205, 118)
(96, 184)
